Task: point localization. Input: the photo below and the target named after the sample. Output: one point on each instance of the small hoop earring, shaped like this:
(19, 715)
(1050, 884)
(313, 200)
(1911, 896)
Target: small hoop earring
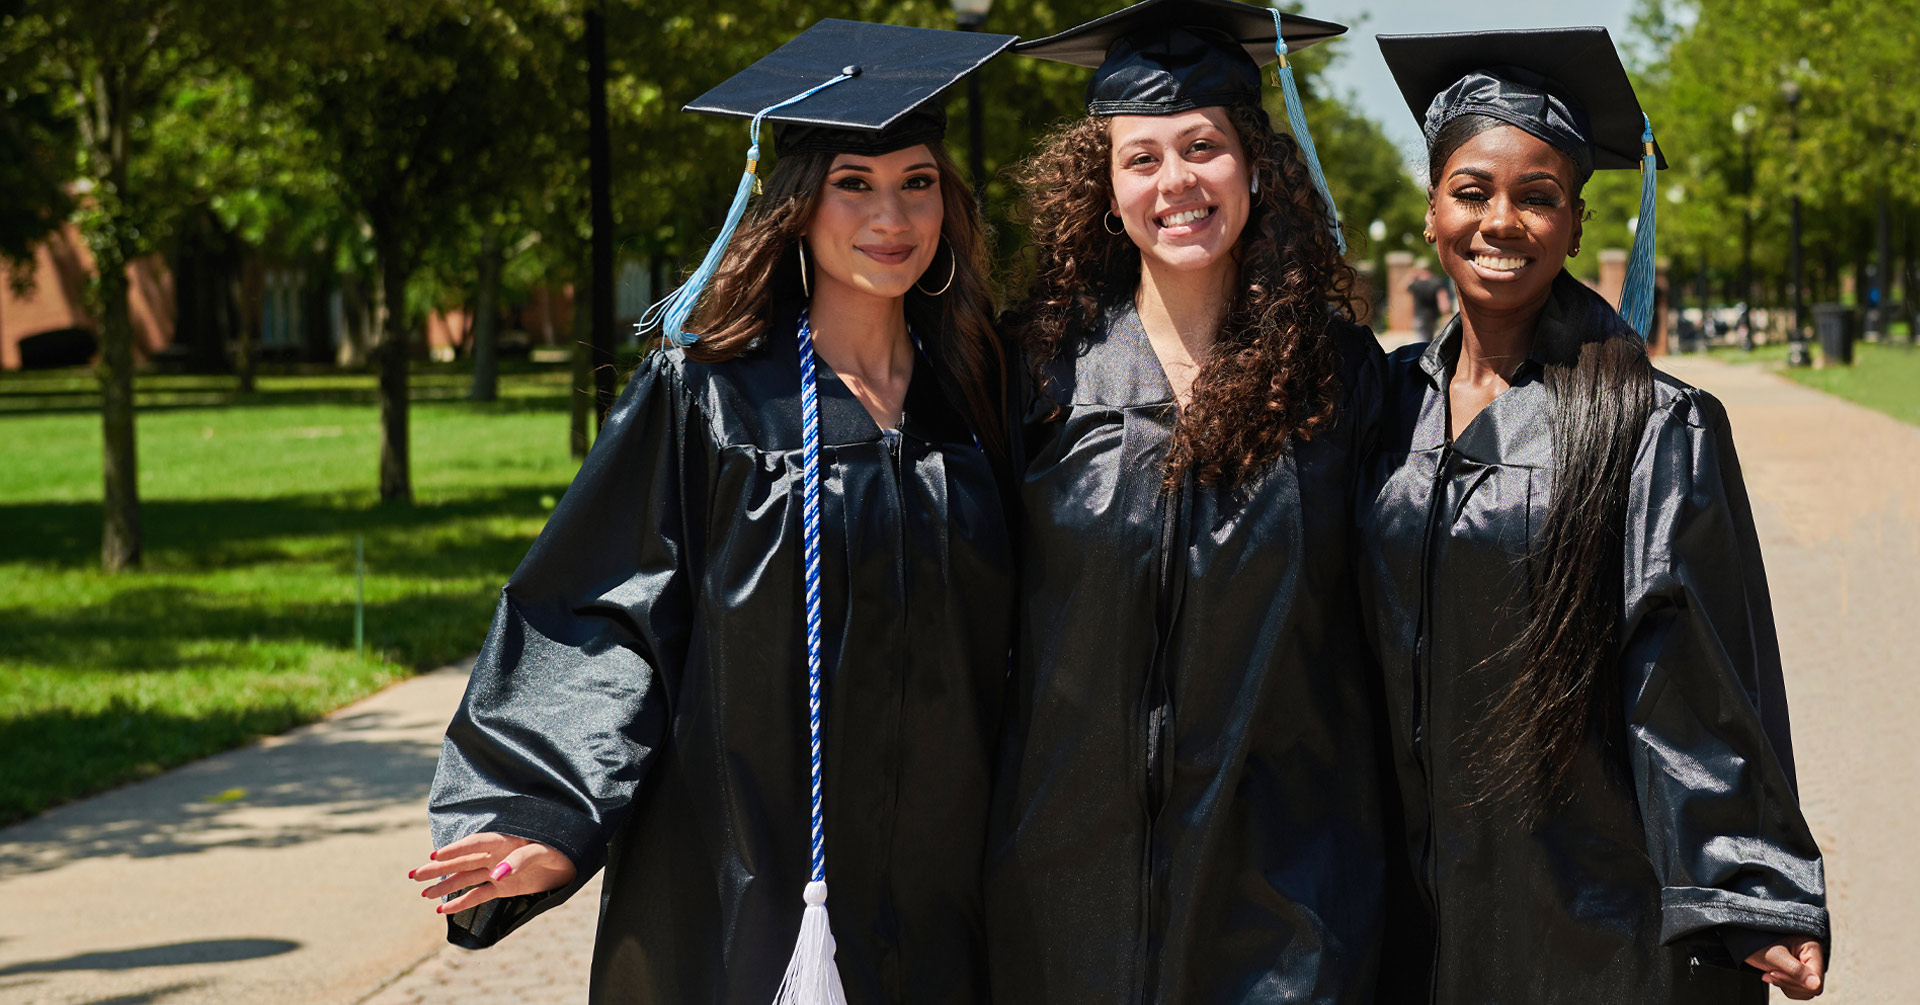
(1256, 183)
(953, 266)
(1427, 235)
(805, 287)
(1109, 226)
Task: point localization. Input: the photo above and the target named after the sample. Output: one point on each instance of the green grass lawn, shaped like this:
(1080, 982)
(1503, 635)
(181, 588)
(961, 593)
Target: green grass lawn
(1884, 376)
(240, 622)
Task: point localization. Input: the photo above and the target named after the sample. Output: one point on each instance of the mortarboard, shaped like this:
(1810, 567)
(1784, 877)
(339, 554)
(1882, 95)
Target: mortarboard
(894, 74)
(1565, 86)
(1161, 57)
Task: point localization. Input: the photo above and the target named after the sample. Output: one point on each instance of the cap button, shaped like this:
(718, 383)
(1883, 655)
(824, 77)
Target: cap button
(851, 71)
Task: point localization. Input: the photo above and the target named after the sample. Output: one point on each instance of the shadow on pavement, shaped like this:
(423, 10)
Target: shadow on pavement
(365, 773)
(172, 954)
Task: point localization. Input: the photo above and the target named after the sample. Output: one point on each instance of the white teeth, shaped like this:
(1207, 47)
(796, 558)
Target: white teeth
(1180, 219)
(1502, 262)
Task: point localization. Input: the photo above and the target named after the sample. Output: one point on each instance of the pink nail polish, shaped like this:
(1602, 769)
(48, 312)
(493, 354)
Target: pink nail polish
(500, 872)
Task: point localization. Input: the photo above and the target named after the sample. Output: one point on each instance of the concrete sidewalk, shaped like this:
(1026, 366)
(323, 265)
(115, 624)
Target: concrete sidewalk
(1836, 497)
(273, 873)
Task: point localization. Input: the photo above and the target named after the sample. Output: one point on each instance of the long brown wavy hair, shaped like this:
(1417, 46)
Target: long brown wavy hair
(1525, 745)
(1271, 373)
(757, 285)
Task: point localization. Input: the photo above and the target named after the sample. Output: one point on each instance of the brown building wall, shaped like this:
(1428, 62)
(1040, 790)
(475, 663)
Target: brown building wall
(62, 268)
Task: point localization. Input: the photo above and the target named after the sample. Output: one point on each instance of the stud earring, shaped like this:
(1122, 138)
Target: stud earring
(1427, 235)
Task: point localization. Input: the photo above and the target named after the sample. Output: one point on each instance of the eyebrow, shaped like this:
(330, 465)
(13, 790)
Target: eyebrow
(863, 169)
(1473, 172)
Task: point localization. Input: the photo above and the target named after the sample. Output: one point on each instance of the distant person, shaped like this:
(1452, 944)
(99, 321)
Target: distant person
(1564, 586)
(646, 698)
(1431, 299)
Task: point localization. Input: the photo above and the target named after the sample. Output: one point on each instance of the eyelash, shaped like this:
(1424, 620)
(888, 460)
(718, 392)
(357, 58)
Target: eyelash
(1199, 146)
(855, 183)
(1537, 201)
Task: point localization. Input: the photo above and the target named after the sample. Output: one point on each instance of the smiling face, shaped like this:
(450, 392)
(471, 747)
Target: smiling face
(1180, 185)
(877, 225)
(1504, 211)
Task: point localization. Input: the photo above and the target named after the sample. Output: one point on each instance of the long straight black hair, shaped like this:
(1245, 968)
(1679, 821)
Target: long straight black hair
(1526, 743)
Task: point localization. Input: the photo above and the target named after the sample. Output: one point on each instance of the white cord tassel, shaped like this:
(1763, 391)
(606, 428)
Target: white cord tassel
(812, 977)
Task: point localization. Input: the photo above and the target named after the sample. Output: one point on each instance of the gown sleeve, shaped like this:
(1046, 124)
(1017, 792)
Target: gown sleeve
(568, 697)
(1706, 721)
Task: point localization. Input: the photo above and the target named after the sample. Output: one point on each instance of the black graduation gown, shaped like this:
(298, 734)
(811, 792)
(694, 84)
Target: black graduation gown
(1683, 841)
(644, 686)
(1188, 811)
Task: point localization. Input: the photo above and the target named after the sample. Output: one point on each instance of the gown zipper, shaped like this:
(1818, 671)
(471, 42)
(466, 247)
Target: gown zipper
(1423, 693)
(891, 450)
(1158, 711)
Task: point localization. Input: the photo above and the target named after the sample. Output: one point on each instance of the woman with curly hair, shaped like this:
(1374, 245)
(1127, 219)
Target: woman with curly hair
(762, 641)
(1563, 584)
(1188, 810)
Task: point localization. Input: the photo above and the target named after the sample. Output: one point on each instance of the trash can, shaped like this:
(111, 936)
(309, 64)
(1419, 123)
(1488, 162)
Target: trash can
(1835, 324)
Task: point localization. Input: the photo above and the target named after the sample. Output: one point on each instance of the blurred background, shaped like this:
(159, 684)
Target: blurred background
(310, 308)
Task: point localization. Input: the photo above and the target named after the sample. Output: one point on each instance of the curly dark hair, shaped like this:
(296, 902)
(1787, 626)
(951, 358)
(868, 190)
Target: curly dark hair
(1272, 371)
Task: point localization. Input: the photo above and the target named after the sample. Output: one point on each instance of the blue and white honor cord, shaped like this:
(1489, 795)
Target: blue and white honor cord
(811, 977)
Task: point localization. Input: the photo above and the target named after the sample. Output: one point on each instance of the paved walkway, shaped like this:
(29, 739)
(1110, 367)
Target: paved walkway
(276, 873)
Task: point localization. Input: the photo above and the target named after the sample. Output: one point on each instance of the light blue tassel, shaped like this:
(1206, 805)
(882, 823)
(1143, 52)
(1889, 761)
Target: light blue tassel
(1297, 119)
(670, 314)
(1636, 294)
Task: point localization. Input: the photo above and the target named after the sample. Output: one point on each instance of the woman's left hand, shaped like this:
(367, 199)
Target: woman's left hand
(489, 865)
(1797, 966)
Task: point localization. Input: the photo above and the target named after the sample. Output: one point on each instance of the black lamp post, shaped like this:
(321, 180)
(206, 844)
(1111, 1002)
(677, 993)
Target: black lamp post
(972, 15)
(1797, 354)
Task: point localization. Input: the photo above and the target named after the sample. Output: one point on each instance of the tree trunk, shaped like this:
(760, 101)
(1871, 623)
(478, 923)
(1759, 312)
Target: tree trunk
(486, 318)
(250, 293)
(582, 375)
(120, 535)
(396, 482)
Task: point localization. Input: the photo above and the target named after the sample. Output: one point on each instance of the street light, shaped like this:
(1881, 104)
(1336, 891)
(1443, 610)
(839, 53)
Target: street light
(1797, 354)
(1743, 123)
(1377, 230)
(972, 15)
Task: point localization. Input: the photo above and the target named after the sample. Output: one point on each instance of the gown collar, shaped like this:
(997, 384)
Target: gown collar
(928, 414)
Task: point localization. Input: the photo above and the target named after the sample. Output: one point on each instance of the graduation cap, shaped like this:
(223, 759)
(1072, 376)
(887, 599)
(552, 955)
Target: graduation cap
(893, 73)
(840, 86)
(1162, 57)
(1565, 86)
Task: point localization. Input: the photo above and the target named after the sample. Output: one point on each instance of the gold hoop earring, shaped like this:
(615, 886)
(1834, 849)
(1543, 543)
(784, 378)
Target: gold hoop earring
(1109, 226)
(1427, 235)
(953, 266)
(806, 289)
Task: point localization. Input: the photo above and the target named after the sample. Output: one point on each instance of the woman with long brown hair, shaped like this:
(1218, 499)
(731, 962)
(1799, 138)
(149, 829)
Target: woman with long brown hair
(1189, 808)
(1565, 590)
(765, 631)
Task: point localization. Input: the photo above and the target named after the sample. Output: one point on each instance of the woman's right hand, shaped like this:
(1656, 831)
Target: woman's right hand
(1797, 966)
(494, 865)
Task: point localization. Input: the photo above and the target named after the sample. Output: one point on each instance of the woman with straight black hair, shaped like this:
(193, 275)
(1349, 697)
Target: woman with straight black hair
(1564, 588)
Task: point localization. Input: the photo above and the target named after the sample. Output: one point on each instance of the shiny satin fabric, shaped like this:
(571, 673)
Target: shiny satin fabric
(1683, 839)
(641, 697)
(1190, 809)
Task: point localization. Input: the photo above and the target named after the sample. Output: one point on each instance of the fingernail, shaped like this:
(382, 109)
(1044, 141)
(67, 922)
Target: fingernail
(410, 873)
(439, 908)
(434, 855)
(425, 893)
(500, 872)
